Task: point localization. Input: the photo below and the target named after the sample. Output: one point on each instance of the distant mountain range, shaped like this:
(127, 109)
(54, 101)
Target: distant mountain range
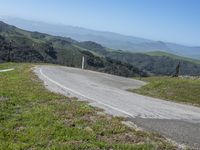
(19, 45)
(107, 39)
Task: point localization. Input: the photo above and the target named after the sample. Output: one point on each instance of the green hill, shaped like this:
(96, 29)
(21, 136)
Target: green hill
(23, 46)
(161, 53)
(160, 64)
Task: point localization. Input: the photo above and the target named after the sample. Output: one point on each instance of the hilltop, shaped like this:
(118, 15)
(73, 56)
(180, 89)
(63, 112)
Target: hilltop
(161, 53)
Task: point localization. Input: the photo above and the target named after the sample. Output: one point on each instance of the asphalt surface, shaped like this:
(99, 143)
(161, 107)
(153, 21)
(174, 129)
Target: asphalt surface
(178, 122)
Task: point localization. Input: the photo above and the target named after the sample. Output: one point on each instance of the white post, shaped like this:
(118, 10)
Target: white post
(83, 62)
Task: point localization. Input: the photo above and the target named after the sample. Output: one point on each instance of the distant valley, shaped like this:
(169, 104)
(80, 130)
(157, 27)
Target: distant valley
(107, 39)
(19, 45)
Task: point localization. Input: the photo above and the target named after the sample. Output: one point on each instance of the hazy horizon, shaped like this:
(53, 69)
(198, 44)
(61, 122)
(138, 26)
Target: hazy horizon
(170, 21)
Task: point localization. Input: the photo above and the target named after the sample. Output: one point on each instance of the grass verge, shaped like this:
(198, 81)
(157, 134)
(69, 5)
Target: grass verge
(32, 117)
(173, 89)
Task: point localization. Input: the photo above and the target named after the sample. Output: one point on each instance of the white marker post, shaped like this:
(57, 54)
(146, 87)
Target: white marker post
(83, 62)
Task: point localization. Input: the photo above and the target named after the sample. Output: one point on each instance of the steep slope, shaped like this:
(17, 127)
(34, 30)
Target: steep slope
(158, 65)
(155, 65)
(22, 46)
(107, 39)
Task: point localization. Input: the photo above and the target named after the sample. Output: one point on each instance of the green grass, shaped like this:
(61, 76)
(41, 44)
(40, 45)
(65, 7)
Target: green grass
(160, 53)
(174, 89)
(31, 117)
(6, 66)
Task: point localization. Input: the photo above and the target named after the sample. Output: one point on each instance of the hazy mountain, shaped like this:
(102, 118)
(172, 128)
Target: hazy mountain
(107, 39)
(23, 46)
(18, 45)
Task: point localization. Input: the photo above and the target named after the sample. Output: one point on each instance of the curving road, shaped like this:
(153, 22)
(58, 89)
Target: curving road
(176, 121)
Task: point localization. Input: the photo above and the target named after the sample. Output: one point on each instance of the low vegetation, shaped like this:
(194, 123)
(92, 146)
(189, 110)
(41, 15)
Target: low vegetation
(186, 90)
(161, 53)
(31, 117)
(153, 63)
(156, 65)
(18, 45)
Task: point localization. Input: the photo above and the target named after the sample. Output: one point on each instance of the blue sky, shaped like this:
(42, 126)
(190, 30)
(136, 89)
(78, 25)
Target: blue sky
(167, 20)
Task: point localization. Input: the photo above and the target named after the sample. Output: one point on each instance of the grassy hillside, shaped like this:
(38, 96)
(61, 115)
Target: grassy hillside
(108, 39)
(22, 46)
(33, 118)
(155, 65)
(161, 53)
(173, 89)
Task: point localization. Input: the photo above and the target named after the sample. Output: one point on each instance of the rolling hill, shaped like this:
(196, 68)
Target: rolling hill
(154, 65)
(107, 39)
(18, 45)
(160, 53)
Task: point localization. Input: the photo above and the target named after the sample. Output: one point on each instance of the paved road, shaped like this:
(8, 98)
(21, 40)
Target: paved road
(176, 121)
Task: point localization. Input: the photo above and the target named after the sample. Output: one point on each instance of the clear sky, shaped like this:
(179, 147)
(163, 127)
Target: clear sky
(167, 20)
